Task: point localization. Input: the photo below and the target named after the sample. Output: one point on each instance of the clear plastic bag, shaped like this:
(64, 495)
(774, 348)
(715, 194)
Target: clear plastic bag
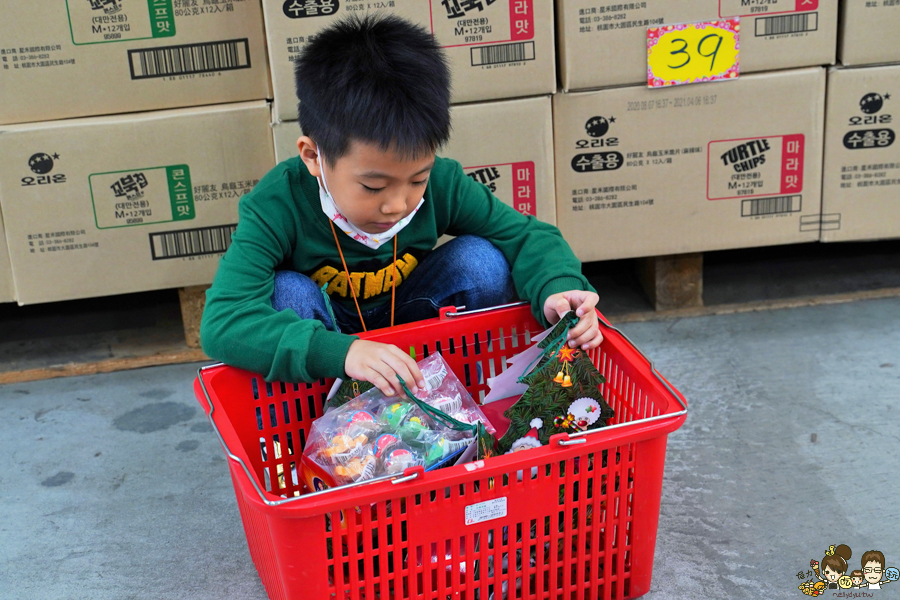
(374, 435)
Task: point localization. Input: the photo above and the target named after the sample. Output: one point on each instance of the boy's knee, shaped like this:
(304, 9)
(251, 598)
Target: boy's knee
(292, 289)
(487, 263)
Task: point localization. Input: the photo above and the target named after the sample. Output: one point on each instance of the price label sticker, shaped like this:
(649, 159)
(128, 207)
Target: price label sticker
(693, 52)
(486, 511)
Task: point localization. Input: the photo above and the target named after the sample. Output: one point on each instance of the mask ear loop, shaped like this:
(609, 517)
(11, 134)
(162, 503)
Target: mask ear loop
(344, 262)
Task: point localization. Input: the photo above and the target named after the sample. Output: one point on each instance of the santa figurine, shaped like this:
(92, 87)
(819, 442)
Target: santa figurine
(530, 439)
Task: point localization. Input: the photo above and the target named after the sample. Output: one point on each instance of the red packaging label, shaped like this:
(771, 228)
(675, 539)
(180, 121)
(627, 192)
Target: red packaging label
(513, 183)
(754, 167)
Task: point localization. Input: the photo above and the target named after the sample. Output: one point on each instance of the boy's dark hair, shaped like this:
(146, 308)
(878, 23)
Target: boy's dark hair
(376, 78)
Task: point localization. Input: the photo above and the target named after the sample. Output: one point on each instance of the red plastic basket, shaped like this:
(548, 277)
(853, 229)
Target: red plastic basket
(574, 519)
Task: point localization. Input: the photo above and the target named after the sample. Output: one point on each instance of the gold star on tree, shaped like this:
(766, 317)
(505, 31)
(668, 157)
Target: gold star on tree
(567, 354)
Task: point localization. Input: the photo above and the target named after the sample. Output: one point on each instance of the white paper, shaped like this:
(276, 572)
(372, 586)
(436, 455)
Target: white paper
(506, 384)
(334, 388)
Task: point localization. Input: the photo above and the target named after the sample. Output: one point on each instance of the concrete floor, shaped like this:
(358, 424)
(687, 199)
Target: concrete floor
(115, 487)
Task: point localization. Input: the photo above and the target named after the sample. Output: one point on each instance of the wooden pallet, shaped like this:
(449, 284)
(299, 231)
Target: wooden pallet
(674, 285)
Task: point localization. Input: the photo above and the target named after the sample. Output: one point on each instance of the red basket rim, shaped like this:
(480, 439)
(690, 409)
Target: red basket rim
(561, 445)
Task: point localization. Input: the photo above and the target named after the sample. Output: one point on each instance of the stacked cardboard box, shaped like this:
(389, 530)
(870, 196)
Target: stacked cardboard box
(869, 31)
(76, 58)
(7, 290)
(152, 205)
(497, 48)
(644, 172)
(605, 43)
(861, 187)
(515, 162)
(113, 204)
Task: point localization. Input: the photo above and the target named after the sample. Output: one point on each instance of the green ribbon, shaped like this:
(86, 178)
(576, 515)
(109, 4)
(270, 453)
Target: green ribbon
(477, 428)
(328, 308)
(438, 414)
(553, 346)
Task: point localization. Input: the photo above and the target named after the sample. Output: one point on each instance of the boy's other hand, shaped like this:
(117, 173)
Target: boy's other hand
(379, 364)
(586, 333)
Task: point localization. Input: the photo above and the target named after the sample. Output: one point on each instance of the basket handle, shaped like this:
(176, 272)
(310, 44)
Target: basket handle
(449, 312)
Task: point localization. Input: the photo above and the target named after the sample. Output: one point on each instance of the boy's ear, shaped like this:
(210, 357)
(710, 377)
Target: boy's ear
(308, 154)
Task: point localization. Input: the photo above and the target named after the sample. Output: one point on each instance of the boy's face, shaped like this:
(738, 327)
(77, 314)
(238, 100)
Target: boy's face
(373, 188)
(872, 571)
(857, 580)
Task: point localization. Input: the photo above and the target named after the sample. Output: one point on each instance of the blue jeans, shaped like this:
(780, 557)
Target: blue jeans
(467, 271)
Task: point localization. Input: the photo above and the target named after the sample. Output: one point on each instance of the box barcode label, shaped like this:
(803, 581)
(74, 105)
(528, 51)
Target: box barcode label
(502, 53)
(189, 59)
(191, 242)
(787, 24)
(770, 206)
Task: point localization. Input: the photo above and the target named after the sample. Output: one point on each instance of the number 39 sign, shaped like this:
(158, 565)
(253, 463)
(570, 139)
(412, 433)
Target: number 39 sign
(693, 52)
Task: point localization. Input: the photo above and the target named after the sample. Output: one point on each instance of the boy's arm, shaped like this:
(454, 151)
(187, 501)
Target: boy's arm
(542, 262)
(239, 325)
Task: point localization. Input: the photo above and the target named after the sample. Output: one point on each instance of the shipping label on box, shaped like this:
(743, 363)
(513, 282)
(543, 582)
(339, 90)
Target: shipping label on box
(496, 48)
(129, 203)
(868, 32)
(604, 44)
(114, 56)
(494, 148)
(861, 181)
(7, 290)
(644, 172)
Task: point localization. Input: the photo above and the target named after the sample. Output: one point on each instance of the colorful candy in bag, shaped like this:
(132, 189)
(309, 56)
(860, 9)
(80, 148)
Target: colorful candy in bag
(373, 435)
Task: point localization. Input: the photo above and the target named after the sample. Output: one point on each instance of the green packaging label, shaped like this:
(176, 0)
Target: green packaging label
(104, 21)
(142, 196)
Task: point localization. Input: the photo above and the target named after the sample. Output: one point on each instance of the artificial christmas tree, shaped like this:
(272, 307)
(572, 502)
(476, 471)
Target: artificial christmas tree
(563, 394)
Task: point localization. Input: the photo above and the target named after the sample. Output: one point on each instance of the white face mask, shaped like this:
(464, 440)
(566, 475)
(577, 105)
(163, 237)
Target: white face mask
(372, 240)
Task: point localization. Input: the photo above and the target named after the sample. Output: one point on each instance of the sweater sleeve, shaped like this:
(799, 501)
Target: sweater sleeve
(239, 326)
(542, 262)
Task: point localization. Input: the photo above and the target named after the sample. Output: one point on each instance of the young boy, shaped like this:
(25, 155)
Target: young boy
(360, 211)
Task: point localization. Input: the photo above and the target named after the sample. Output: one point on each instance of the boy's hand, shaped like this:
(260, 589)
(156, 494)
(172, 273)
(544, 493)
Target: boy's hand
(586, 333)
(379, 364)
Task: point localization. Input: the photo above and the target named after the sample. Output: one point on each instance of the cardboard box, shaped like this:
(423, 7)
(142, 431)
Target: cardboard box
(861, 181)
(508, 146)
(7, 290)
(868, 32)
(496, 48)
(113, 205)
(648, 172)
(74, 58)
(604, 44)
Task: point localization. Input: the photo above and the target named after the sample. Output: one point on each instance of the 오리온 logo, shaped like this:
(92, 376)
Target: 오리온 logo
(836, 573)
(871, 105)
(41, 164)
(597, 127)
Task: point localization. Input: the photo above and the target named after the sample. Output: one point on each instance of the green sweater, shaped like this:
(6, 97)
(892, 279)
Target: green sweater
(281, 223)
